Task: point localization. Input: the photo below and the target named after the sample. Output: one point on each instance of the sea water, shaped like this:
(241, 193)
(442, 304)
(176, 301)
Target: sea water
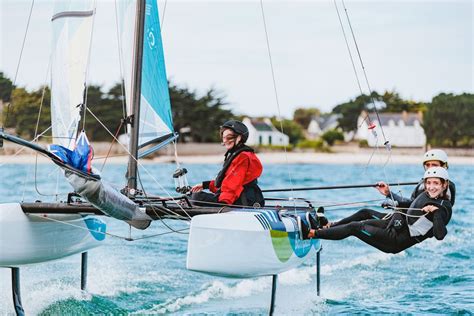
(149, 276)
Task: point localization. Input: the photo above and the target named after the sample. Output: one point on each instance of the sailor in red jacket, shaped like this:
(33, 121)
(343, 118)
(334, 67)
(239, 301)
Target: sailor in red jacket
(236, 184)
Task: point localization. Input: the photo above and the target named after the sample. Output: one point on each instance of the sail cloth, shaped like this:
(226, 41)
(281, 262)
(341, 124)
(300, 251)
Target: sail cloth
(156, 123)
(72, 29)
(99, 193)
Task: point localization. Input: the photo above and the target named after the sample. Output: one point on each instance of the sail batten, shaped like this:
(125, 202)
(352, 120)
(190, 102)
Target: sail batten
(72, 14)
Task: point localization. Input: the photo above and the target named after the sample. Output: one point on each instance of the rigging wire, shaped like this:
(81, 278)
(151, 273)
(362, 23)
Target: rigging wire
(19, 60)
(371, 126)
(386, 143)
(280, 118)
(163, 16)
(86, 78)
(138, 161)
(120, 54)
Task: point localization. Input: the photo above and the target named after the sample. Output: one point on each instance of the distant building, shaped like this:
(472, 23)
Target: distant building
(262, 132)
(400, 129)
(321, 124)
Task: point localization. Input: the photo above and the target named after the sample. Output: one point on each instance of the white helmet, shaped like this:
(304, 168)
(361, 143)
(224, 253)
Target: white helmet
(436, 154)
(436, 172)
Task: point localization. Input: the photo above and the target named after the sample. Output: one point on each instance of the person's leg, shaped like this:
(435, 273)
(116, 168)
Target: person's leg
(200, 198)
(380, 238)
(360, 215)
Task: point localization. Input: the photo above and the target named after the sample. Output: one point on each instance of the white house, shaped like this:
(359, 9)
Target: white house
(262, 132)
(400, 129)
(321, 124)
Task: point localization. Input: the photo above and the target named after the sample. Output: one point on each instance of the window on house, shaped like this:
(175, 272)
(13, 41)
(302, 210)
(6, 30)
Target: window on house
(269, 139)
(260, 139)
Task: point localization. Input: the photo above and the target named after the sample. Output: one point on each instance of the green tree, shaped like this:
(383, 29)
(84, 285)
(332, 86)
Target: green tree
(107, 107)
(351, 110)
(303, 116)
(203, 115)
(331, 136)
(24, 111)
(6, 88)
(395, 104)
(449, 120)
(290, 128)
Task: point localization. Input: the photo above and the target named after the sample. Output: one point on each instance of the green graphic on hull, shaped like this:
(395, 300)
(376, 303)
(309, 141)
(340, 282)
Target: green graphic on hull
(281, 245)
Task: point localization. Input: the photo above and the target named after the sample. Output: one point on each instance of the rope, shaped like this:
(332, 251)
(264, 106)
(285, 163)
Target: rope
(104, 233)
(280, 118)
(19, 60)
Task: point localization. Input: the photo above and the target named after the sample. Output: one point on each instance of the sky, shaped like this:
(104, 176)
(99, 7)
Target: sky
(416, 48)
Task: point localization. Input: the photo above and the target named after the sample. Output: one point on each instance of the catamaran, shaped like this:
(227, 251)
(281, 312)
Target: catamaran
(226, 240)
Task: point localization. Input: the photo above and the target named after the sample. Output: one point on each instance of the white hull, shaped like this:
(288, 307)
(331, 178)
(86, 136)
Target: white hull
(34, 238)
(245, 244)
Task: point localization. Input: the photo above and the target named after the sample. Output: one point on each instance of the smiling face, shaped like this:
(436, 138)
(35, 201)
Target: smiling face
(229, 138)
(435, 186)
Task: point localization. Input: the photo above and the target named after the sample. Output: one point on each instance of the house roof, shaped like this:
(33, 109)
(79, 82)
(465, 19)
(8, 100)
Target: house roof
(261, 126)
(408, 118)
(329, 121)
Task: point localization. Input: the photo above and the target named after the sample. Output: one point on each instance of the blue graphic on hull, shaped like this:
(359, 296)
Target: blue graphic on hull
(96, 227)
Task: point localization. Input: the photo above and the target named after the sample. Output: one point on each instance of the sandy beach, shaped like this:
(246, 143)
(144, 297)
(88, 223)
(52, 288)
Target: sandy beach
(266, 158)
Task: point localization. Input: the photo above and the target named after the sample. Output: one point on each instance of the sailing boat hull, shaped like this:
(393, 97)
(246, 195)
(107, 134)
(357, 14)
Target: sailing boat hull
(246, 243)
(33, 238)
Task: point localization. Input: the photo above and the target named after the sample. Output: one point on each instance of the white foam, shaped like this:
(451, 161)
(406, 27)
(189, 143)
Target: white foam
(368, 260)
(216, 290)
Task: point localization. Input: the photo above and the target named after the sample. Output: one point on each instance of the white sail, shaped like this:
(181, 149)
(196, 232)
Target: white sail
(72, 29)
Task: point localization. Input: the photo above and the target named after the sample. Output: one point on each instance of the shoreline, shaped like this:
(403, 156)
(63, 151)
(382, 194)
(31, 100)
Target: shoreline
(266, 158)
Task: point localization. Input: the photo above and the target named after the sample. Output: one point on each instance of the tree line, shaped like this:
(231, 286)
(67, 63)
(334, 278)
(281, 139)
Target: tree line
(447, 119)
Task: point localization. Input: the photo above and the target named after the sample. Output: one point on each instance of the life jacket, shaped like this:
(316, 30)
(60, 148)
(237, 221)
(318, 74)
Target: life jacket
(251, 194)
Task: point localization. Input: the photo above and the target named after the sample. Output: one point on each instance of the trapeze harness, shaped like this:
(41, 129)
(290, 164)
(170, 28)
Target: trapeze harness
(366, 213)
(403, 231)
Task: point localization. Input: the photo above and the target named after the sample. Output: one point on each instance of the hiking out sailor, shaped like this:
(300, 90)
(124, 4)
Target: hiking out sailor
(426, 217)
(432, 158)
(236, 183)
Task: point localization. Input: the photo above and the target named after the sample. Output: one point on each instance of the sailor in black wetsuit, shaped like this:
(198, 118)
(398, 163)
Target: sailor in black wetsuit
(432, 158)
(426, 217)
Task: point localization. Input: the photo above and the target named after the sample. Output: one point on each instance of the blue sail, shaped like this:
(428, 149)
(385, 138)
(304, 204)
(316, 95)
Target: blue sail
(155, 111)
(156, 122)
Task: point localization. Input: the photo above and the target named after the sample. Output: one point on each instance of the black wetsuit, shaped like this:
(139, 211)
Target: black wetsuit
(365, 214)
(394, 236)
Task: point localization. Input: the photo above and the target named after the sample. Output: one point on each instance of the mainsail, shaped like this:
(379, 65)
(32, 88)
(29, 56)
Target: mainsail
(72, 29)
(156, 123)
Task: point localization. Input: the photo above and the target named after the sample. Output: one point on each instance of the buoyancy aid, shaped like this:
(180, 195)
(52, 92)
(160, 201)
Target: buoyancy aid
(236, 183)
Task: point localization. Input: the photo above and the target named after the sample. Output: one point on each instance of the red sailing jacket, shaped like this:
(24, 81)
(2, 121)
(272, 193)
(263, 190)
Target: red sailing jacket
(245, 168)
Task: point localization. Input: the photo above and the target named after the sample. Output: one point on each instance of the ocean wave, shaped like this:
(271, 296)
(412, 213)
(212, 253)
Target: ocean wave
(216, 290)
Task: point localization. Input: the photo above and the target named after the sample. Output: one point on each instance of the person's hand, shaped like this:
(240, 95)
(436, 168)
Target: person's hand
(429, 208)
(383, 188)
(196, 188)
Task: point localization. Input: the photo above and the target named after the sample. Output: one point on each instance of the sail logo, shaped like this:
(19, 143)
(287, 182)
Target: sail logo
(151, 38)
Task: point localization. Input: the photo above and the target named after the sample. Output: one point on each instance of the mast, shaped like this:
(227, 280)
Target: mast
(136, 95)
